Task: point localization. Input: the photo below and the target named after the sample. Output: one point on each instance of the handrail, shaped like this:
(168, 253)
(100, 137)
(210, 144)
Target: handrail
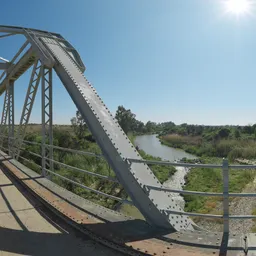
(193, 214)
(84, 171)
(131, 160)
(225, 172)
(212, 216)
(197, 193)
(80, 152)
(91, 189)
(81, 185)
(210, 166)
(184, 192)
(73, 168)
(143, 161)
(75, 151)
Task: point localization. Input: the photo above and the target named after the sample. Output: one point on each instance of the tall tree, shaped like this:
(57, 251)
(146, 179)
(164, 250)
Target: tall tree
(237, 134)
(223, 133)
(126, 119)
(151, 126)
(79, 126)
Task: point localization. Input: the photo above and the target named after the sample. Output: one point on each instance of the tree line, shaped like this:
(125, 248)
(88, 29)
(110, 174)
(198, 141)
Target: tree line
(127, 120)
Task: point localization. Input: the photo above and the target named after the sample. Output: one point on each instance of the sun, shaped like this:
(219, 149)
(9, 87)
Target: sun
(238, 7)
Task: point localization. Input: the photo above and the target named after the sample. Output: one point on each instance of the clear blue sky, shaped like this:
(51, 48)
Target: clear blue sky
(166, 60)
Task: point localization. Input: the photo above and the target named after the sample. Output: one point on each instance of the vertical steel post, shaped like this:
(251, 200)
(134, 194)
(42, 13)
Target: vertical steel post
(4, 117)
(10, 117)
(225, 173)
(47, 135)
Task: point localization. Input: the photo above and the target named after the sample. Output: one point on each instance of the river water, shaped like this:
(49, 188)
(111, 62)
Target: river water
(152, 146)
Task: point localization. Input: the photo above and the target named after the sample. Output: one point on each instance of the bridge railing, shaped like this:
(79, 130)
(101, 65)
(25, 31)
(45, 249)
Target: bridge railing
(68, 167)
(225, 167)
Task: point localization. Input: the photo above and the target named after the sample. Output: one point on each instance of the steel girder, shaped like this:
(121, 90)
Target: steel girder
(54, 51)
(116, 146)
(28, 106)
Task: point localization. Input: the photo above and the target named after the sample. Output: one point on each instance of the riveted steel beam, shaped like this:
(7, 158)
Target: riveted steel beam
(115, 145)
(54, 51)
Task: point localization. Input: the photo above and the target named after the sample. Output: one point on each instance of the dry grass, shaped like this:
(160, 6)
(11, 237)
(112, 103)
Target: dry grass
(37, 128)
(179, 139)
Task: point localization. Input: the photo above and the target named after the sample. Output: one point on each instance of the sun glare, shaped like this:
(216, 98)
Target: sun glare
(238, 7)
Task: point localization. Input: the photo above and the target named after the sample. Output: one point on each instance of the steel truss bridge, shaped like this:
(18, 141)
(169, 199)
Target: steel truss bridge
(167, 229)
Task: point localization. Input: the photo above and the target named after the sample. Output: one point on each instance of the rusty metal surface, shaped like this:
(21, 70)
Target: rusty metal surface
(24, 230)
(131, 236)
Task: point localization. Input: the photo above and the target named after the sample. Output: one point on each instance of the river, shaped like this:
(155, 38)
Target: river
(152, 146)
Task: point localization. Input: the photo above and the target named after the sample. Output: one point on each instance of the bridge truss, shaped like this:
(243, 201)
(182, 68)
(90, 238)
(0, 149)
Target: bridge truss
(47, 51)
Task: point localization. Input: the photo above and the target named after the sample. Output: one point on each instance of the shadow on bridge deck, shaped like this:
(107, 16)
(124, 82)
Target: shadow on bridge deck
(26, 230)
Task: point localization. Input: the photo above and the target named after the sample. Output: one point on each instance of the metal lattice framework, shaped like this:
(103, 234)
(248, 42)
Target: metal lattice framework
(47, 153)
(47, 51)
(28, 106)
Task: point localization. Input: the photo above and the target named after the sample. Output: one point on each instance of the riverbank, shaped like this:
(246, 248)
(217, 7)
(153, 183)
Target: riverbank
(201, 146)
(189, 144)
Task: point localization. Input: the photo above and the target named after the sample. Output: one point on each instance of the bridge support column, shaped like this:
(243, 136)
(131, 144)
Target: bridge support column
(47, 135)
(10, 89)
